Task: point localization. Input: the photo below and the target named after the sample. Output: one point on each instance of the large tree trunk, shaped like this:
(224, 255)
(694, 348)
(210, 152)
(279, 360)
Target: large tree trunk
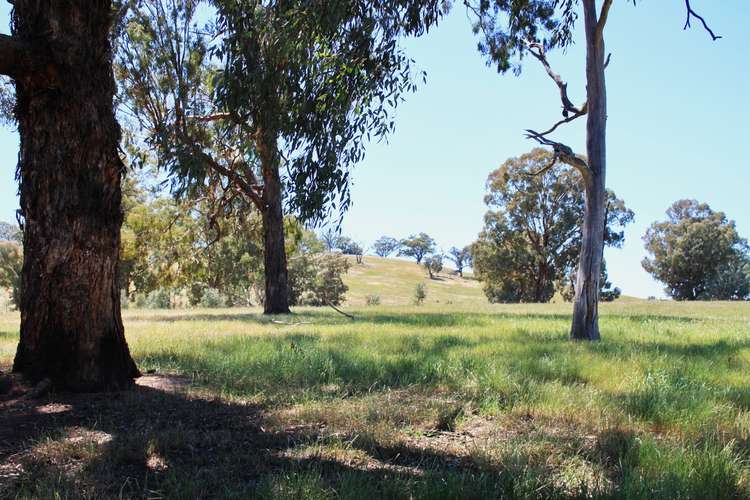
(586, 308)
(70, 172)
(274, 251)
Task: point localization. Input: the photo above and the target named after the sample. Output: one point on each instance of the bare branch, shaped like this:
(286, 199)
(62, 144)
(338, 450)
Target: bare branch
(582, 112)
(692, 13)
(537, 50)
(208, 118)
(561, 152)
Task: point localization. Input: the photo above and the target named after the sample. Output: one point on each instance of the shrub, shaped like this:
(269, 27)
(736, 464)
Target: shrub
(212, 298)
(372, 300)
(420, 293)
(328, 286)
(159, 299)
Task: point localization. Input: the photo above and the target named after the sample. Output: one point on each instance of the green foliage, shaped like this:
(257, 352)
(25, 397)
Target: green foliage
(461, 258)
(417, 246)
(10, 233)
(420, 294)
(532, 235)
(433, 264)
(385, 246)
(161, 298)
(698, 254)
(11, 262)
(348, 246)
(7, 101)
(372, 300)
(212, 298)
(316, 79)
(506, 27)
(326, 286)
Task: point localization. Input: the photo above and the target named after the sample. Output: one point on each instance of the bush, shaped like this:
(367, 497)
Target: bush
(372, 300)
(159, 299)
(420, 293)
(316, 279)
(212, 298)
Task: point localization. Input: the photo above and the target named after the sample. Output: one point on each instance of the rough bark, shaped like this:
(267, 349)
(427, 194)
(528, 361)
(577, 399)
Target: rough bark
(586, 303)
(70, 172)
(274, 251)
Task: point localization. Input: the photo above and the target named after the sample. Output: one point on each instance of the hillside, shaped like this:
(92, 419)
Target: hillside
(394, 280)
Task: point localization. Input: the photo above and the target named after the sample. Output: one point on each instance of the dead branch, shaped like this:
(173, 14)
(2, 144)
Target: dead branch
(339, 310)
(692, 13)
(208, 118)
(537, 50)
(561, 153)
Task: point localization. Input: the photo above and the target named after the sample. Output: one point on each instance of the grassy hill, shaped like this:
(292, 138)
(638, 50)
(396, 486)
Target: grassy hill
(394, 280)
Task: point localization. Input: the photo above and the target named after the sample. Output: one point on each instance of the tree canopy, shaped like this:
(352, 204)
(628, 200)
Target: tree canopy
(385, 246)
(698, 254)
(532, 235)
(417, 246)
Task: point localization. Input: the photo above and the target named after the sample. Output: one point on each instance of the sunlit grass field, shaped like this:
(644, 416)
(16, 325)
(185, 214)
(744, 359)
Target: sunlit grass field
(453, 399)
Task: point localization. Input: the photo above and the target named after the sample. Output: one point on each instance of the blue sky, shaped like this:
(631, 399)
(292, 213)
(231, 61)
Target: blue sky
(679, 106)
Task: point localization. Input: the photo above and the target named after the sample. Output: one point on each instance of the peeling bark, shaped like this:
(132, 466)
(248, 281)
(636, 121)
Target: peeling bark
(70, 172)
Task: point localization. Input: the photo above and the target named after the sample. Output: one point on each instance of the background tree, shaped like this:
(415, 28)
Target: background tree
(511, 30)
(348, 246)
(461, 258)
(11, 262)
(10, 232)
(433, 264)
(531, 240)
(59, 58)
(385, 246)
(329, 238)
(698, 254)
(417, 246)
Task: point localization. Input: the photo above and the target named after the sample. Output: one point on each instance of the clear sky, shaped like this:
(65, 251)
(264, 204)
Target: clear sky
(679, 120)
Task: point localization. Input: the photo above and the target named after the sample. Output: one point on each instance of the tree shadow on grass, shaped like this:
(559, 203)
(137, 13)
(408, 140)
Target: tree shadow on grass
(157, 442)
(160, 441)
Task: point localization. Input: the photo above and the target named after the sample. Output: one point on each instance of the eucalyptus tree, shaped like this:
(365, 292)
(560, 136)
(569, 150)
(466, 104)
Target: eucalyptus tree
(59, 59)
(532, 235)
(417, 246)
(698, 254)
(461, 258)
(310, 82)
(272, 100)
(511, 30)
(385, 246)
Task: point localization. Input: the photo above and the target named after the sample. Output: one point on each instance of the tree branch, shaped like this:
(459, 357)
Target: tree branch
(692, 13)
(15, 56)
(561, 152)
(208, 118)
(536, 50)
(603, 19)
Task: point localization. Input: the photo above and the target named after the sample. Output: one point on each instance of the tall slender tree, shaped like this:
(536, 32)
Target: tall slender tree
(309, 82)
(60, 60)
(512, 29)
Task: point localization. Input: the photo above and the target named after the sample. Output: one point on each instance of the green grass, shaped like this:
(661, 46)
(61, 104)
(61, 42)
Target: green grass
(454, 399)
